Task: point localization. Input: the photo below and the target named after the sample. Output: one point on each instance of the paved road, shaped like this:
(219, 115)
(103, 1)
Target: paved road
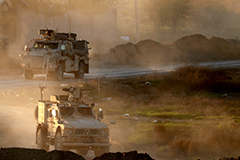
(118, 72)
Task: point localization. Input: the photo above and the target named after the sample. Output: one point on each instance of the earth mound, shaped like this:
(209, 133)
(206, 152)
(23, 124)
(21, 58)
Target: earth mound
(193, 48)
(37, 154)
(133, 155)
(198, 48)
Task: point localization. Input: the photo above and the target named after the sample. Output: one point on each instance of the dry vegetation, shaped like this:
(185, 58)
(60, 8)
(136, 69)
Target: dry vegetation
(192, 112)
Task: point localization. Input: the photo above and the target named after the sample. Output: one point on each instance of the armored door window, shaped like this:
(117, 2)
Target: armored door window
(53, 45)
(66, 111)
(38, 45)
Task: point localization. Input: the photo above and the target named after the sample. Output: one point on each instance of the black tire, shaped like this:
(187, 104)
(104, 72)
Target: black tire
(42, 139)
(28, 74)
(58, 74)
(82, 151)
(36, 113)
(81, 70)
(100, 151)
(58, 141)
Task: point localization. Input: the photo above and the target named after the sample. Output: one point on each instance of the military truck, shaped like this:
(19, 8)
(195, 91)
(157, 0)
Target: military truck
(55, 54)
(67, 122)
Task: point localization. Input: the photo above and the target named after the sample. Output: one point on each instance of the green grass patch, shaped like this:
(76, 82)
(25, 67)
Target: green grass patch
(166, 115)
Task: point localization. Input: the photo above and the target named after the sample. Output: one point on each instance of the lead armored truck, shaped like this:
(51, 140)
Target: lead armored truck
(55, 54)
(67, 122)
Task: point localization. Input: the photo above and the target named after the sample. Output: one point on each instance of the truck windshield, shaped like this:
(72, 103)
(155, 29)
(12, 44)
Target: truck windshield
(85, 111)
(66, 111)
(45, 45)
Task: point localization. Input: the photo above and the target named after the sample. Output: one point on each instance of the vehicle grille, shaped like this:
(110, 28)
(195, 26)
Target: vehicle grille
(87, 139)
(79, 131)
(37, 61)
(95, 131)
(87, 131)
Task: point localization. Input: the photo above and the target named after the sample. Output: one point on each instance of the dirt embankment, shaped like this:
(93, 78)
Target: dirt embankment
(193, 48)
(36, 154)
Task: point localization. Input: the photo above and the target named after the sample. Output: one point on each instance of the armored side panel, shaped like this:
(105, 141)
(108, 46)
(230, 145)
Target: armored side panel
(68, 65)
(42, 113)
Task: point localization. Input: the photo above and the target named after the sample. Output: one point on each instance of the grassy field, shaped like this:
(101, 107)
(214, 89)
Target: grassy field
(196, 111)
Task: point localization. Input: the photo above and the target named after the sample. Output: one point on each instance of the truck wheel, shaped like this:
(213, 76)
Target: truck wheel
(99, 151)
(36, 113)
(82, 151)
(28, 74)
(58, 74)
(58, 141)
(80, 73)
(42, 139)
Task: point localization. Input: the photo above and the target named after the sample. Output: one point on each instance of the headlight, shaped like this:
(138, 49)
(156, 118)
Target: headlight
(68, 131)
(105, 131)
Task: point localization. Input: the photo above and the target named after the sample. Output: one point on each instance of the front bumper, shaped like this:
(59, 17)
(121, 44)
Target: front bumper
(76, 144)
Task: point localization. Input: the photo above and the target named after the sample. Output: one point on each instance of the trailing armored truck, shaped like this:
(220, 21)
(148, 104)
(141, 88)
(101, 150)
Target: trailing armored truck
(56, 54)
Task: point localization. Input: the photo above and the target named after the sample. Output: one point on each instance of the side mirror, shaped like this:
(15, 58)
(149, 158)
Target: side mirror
(26, 48)
(92, 105)
(100, 114)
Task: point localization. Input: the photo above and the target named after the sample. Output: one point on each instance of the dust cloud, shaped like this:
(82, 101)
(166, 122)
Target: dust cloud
(17, 118)
(205, 30)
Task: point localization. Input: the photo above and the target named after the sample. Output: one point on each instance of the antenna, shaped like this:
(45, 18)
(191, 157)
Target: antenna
(69, 26)
(43, 84)
(41, 87)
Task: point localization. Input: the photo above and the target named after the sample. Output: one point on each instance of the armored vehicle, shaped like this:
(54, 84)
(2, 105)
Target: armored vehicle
(67, 122)
(55, 54)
